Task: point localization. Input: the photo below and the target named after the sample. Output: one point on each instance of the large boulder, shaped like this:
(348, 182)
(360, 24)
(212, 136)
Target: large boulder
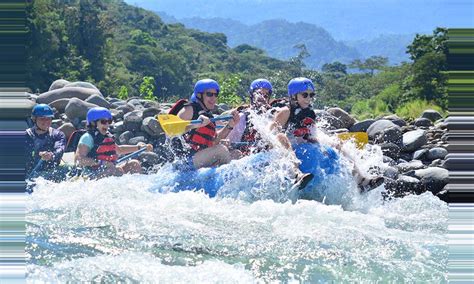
(379, 126)
(81, 84)
(58, 84)
(391, 150)
(150, 104)
(410, 166)
(133, 120)
(420, 154)
(423, 122)
(343, 116)
(396, 120)
(59, 105)
(125, 137)
(151, 126)
(403, 186)
(66, 93)
(136, 140)
(328, 121)
(126, 108)
(431, 114)
(362, 126)
(433, 178)
(436, 153)
(413, 140)
(98, 100)
(389, 135)
(77, 109)
(151, 112)
(67, 129)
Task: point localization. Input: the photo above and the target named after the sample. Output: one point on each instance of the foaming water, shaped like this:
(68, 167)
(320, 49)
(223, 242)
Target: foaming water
(257, 228)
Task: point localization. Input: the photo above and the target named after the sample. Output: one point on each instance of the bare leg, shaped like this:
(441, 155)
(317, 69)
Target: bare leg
(214, 156)
(131, 167)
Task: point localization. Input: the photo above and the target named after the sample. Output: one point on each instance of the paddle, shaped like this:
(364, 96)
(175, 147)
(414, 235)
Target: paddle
(174, 126)
(360, 138)
(33, 171)
(131, 155)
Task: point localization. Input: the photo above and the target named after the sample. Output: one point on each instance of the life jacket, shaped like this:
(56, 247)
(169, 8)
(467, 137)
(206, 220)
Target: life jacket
(73, 140)
(104, 148)
(301, 121)
(202, 137)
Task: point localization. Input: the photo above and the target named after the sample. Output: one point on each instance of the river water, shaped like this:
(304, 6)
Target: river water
(136, 229)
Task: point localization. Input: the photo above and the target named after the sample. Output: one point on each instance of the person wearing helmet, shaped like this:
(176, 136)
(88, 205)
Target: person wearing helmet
(97, 151)
(260, 92)
(46, 144)
(298, 119)
(203, 139)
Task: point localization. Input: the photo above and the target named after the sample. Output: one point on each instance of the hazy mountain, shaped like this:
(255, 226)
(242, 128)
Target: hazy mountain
(344, 19)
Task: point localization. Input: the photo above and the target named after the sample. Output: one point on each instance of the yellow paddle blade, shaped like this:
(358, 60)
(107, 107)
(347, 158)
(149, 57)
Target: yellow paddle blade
(172, 125)
(361, 138)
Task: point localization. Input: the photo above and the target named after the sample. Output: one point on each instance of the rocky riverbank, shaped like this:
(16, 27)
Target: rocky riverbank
(414, 151)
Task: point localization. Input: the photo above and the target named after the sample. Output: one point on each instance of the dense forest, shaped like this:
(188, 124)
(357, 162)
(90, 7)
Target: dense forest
(128, 51)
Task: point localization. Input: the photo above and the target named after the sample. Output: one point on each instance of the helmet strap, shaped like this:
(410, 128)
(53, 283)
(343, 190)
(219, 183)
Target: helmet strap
(37, 127)
(201, 101)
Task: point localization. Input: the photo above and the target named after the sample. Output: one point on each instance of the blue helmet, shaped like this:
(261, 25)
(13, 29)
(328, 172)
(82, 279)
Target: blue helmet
(97, 113)
(42, 110)
(203, 85)
(298, 85)
(260, 83)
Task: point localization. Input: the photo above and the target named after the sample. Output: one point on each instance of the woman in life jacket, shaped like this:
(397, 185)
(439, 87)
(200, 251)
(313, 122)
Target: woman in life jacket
(298, 119)
(97, 151)
(260, 92)
(203, 139)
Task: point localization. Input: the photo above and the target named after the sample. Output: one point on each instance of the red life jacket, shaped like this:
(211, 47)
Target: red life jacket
(104, 148)
(301, 121)
(202, 137)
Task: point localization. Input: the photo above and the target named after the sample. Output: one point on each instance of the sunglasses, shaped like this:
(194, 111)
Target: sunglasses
(210, 95)
(106, 121)
(305, 95)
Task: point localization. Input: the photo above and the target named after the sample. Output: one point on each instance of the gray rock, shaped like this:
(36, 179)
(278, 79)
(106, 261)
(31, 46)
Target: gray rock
(77, 108)
(329, 122)
(431, 114)
(390, 150)
(117, 104)
(118, 128)
(388, 160)
(403, 186)
(67, 129)
(150, 104)
(134, 102)
(389, 135)
(413, 140)
(66, 93)
(150, 158)
(117, 114)
(361, 126)
(343, 116)
(437, 163)
(136, 140)
(410, 166)
(58, 84)
(420, 154)
(98, 100)
(150, 112)
(379, 126)
(133, 120)
(125, 137)
(391, 172)
(433, 178)
(126, 108)
(437, 153)
(59, 105)
(152, 127)
(56, 123)
(396, 120)
(422, 122)
(113, 100)
(81, 84)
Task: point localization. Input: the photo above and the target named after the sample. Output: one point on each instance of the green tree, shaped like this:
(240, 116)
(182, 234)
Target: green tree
(147, 88)
(335, 67)
(123, 93)
(371, 64)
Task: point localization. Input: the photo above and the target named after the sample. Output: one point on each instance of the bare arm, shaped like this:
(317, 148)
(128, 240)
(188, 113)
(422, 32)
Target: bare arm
(281, 119)
(81, 157)
(187, 114)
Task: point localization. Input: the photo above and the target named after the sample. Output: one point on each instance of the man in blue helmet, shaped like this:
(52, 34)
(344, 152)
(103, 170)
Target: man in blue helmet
(97, 151)
(45, 143)
(202, 140)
